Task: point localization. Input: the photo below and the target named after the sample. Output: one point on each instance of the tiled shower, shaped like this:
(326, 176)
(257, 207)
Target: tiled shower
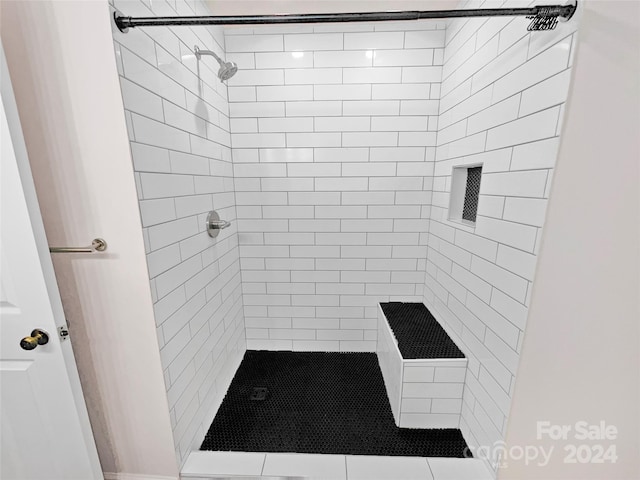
(332, 153)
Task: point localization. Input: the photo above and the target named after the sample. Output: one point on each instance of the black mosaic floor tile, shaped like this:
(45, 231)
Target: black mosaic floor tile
(330, 403)
(419, 335)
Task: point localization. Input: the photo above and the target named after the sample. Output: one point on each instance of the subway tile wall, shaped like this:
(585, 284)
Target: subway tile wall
(334, 134)
(502, 98)
(178, 119)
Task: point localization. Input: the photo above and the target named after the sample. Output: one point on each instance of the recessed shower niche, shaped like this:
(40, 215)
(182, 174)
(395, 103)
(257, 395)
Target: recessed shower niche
(332, 153)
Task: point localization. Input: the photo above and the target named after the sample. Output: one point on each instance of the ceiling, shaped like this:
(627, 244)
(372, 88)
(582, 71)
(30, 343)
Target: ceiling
(268, 7)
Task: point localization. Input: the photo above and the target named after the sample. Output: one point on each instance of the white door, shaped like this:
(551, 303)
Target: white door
(44, 425)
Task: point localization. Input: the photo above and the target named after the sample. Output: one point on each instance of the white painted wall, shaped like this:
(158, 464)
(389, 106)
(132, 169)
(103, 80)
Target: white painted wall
(60, 56)
(178, 118)
(333, 133)
(580, 356)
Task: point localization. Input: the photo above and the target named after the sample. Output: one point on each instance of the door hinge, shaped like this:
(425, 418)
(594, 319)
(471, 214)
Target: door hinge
(63, 333)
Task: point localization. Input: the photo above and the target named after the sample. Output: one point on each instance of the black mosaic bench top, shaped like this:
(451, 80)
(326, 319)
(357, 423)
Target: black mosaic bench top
(419, 335)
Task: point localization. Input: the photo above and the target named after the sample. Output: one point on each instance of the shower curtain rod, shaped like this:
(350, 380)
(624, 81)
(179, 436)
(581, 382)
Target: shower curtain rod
(544, 16)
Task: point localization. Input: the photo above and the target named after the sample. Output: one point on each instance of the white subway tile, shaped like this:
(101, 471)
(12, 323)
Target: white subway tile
(493, 320)
(527, 129)
(157, 211)
(417, 139)
(404, 123)
(545, 65)
(247, 60)
(314, 170)
(285, 125)
(258, 77)
(410, 91)
(366, 198)
(432, 390)
(376, 107)
(312, 76)
(342, 59)
(382, 139)
(419, 107)
(529, 183)
(141, 100)
(341, 154)
(365, 169)
(340, 211)
(284, 60)
(244, 125)
(257, 140)
(516, 261)
(446, 405)
(149, 77)
(261, 198)
(403, 58)
(314, 225)
(530, 211)
(416, 405)
(286, 184)
(534, 155)
(424, 39)
(342, 124)
(377, 40)
(513, 234)
(397, 183)
(188, 164)
(512, 310)
(497, 114)
(287, 211)
(371, 75)
(500, 278)
(160, 185)
(545, 94)
(429, 74)
(367, 225)
(285, 93)
(313, 109)
(254, 43)
(158, 134)
(254, 109)
(316, 41)
(260, 170)
(149, 158)
(342, 92)
(405, 154)
(314, 198)
(287, 155)
(313, 139)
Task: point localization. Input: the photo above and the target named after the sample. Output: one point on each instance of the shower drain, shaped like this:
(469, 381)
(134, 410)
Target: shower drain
(259, 393)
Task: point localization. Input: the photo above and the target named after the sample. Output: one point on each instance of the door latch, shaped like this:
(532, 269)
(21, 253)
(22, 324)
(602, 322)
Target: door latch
(63, 333)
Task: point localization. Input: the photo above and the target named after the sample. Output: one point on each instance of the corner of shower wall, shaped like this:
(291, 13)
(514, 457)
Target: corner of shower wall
(501, 106)
(177, 115)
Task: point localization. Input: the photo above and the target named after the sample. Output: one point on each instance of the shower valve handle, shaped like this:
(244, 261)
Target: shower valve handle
(220, 224)
(214, 224)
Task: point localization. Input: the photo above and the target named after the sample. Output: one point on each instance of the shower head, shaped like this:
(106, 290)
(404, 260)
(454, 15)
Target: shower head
(227, 69)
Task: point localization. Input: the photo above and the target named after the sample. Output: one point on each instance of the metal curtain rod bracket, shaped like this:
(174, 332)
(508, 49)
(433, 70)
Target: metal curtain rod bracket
(545, 17)
(97, 245)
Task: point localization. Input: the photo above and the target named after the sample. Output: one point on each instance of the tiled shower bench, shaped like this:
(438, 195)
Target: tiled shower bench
(423, 369)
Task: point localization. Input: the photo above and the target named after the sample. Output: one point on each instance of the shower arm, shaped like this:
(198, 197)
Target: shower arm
(541, 13)
(200, 52)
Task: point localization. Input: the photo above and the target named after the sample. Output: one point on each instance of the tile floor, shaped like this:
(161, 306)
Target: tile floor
(207, 465)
